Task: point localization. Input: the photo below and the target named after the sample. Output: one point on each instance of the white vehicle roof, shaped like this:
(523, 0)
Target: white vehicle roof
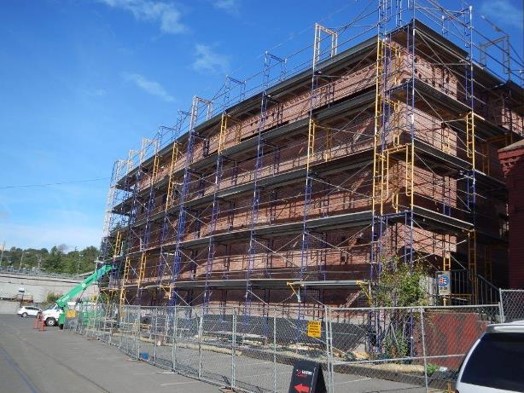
(508, 327)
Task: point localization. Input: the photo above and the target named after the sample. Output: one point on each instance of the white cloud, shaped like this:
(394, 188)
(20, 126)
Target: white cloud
(230, 6)
(150, 87)
(209, 61)
(40, 235)
(503, 12)
(152, 11)
(69, 226)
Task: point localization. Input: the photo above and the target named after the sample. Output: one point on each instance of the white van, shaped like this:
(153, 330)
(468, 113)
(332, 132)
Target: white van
(495, 363)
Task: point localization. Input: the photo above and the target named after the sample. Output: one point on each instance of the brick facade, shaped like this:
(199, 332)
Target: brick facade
(512, 160)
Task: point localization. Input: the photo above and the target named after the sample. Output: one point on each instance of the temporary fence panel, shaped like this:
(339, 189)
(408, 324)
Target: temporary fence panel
(187, 342)
(512, 304)
(359, 349)
(129, 326)
(416, 348)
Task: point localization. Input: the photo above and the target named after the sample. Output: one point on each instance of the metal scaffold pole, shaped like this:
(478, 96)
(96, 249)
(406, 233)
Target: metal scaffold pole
(184, 191)
(266, 101)
(167, 235)
(215, 211)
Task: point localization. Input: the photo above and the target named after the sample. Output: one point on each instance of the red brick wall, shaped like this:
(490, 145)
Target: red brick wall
(451, 333)
(513, 165)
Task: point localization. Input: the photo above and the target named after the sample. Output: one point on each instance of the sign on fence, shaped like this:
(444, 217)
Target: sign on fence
(444, 283)
(314, 329)
(307, 377)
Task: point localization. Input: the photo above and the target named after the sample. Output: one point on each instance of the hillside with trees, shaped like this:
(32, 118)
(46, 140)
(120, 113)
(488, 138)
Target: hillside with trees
(56, 260)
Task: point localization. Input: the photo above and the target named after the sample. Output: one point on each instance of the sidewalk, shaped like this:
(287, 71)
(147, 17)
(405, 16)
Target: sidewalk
(60, 361)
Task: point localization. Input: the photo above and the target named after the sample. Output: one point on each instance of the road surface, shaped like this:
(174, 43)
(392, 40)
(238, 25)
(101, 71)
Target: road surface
(55, 361)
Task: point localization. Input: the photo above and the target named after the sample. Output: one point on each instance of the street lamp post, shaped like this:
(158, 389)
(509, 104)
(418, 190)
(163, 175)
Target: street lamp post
(2, 254)
(21, 291)
(39, 259)
(21, 260)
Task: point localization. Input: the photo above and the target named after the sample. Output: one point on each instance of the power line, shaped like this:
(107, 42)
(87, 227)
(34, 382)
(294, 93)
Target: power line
(53, 184)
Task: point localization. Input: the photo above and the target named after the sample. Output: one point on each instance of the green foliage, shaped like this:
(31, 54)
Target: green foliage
(102, 297)
(54, 263)
(396, 344)
(431, 368)
(56, 260)
(52, 297)
(400, 285)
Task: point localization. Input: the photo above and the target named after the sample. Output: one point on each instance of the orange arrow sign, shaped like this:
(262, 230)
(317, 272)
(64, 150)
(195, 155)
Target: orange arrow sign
(301, 388)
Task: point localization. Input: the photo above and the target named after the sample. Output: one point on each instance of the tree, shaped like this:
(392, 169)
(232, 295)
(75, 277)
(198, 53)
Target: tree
(54, 261)
(52, 297)
(57, 260)
(399, 285)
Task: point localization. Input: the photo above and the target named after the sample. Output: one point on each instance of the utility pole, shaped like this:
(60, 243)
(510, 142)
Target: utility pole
(2, 254)
(21, 260)
(77, 261)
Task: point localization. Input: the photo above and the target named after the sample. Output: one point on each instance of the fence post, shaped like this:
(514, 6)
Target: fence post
(200, 338)
(121, 326)
(423, 336)
(154, 332)
(274, 350)
(137, 333)
(501, 306)
(109, 321)
(329, 350)
(233, 349)
(175, 340)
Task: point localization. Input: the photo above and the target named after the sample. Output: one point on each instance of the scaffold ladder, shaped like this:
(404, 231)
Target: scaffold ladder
(125, 278)
(117, 245)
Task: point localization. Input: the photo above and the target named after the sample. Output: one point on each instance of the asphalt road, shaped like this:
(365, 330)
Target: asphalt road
(55, 361)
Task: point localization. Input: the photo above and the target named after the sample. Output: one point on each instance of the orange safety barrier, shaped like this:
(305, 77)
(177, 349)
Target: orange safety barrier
(37, 321)
(41, 324)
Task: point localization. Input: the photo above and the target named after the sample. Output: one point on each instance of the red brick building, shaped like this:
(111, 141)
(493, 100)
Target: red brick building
(383, 150)
(512, 160)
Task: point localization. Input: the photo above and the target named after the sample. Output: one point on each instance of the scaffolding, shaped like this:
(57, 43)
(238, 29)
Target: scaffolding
(377, 150)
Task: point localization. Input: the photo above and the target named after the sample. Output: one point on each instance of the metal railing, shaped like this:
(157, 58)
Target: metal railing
(41, 273)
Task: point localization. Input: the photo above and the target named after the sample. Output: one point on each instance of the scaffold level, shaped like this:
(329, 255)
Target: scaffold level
(376, 150)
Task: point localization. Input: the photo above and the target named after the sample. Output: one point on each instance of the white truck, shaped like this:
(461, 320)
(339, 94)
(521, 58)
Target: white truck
(52, 315)
(56, 314)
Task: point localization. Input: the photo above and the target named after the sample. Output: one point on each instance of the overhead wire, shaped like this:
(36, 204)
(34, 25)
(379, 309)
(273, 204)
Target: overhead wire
(53, 184)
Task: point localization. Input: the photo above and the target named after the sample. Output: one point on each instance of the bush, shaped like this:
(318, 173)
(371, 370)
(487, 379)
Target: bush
(51, 298)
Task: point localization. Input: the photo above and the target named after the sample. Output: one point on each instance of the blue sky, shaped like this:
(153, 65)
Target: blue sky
(83, 81)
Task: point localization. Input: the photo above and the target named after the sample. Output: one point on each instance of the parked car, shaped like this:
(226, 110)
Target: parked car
(26, 311)
(494, 363)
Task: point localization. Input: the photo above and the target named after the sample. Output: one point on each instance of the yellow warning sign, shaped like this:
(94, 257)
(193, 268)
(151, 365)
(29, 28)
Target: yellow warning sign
(70, 314)
(314, 329)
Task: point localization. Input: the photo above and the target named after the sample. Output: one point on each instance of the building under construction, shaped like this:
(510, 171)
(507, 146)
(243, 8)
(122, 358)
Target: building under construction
(302, 192)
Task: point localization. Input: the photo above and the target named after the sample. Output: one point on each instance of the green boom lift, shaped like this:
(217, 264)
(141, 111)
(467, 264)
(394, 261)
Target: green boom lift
(57, 313)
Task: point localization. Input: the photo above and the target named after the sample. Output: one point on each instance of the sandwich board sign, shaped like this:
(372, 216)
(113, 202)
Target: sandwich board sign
(307, 377)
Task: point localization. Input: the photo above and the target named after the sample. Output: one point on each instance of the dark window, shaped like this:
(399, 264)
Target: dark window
(497, 362)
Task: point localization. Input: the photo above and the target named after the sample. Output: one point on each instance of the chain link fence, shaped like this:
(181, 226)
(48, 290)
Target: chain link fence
(414, 349)
(512, 304)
